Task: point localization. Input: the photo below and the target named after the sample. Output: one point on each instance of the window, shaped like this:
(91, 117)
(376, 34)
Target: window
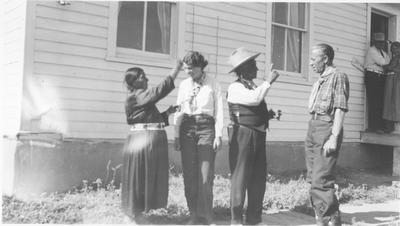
(144, 26)
(288, 36)
(143, 32)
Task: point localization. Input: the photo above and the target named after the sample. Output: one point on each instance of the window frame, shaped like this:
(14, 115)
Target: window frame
(293, 77)
(142, 57)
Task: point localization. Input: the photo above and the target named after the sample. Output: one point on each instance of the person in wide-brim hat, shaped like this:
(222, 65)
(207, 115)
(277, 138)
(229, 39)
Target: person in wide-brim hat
(240, 56)
(249, 120)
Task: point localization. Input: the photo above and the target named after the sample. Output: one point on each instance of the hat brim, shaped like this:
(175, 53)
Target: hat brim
(244, 61)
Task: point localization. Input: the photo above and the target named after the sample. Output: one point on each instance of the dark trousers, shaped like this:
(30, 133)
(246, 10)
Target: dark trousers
(374, 85)
(196, 138)
(320, 169)
(248, 165)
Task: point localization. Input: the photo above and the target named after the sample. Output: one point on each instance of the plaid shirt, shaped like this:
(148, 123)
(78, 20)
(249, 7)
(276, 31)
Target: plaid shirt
(331, 91)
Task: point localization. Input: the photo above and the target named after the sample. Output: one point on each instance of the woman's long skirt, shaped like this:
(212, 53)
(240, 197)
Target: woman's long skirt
(145, 171)
(391, 105)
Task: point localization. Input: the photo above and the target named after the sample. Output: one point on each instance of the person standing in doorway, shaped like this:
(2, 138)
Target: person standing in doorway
(249, 120)
(375, 82)
(198, 134)
(328, 104)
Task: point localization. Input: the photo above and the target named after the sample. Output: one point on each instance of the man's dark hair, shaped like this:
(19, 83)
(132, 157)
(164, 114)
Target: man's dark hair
(328, 51)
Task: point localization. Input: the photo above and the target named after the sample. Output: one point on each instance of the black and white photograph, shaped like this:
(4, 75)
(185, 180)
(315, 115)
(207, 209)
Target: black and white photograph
(200, 112)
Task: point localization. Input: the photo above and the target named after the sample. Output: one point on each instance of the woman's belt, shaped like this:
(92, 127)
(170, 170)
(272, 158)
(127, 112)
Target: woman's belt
(325, 117)
(147, 126)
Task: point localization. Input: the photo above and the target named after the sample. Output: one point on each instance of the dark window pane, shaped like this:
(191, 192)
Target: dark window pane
(278, 47)
(130, 25)
(293, 54)
(158, 27)
(297, 15)
(280, 12)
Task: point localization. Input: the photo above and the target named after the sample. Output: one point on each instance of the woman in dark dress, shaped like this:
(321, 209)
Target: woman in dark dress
(145, 154)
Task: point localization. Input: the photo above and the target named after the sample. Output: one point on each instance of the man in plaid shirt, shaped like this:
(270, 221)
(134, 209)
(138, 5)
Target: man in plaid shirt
(327, 106)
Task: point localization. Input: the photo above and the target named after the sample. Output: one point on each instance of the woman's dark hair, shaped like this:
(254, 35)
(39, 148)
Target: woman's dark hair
(194, 58)
(328, 51)
(395, 45)
(131, 75)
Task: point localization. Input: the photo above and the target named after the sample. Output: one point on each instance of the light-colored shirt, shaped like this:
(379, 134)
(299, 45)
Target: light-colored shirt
(200, 99)
(239, 94)
(374, 59)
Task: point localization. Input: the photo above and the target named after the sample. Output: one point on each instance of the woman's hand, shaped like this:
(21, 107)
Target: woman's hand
(177, 69)
(217, 144)
(177, 144)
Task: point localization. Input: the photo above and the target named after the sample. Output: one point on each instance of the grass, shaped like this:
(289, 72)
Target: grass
(101, 204)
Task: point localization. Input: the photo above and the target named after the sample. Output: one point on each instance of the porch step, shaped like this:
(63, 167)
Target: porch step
(389, 139)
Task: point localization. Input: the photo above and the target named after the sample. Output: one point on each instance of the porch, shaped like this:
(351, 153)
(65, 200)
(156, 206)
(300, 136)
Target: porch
(392, 139)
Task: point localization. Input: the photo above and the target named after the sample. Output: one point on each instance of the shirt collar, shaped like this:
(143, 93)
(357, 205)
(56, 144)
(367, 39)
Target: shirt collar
(328, 71)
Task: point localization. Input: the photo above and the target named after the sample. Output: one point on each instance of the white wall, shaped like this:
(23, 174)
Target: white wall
(70, 47)
(12, 40)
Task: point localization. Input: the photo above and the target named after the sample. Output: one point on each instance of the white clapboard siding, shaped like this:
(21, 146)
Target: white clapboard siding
(348, 38)
(13, 38)
(71, 47)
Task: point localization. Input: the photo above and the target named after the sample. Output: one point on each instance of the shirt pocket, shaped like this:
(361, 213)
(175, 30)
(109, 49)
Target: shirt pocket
(325, 102)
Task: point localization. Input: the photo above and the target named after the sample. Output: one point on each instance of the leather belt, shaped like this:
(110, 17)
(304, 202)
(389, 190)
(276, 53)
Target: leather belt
(198, 117)
(326, 118)
(380, 73)
(147, 126)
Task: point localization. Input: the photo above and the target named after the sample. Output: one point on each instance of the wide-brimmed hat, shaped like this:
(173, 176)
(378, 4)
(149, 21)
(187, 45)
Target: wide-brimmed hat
(240, 56)
(379, 37)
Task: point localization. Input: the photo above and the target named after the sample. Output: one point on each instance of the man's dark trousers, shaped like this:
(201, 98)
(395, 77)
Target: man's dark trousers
(320, 169)
(248, 165)
(197, 135)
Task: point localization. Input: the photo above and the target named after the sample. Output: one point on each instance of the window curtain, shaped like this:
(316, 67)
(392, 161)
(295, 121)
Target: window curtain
(294, 42)
(164, 18)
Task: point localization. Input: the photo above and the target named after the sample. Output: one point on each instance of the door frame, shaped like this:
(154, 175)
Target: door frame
(392, 13)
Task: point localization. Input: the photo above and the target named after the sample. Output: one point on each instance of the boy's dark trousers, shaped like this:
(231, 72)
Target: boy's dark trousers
(320, 171)
(247, 161)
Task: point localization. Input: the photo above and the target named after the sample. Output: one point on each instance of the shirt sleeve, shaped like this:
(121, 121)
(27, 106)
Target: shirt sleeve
(152, 95)
(378, 58)
(238, 94)
(342, 91)
(219, 112)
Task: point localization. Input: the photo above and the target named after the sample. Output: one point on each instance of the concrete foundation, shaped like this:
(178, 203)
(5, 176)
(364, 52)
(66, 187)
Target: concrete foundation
(49, 165)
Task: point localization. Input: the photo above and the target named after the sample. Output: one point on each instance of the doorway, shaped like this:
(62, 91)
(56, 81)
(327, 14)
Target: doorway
(379, 24)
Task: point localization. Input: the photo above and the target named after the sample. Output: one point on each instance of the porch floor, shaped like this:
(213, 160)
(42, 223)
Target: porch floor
(389, 139)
